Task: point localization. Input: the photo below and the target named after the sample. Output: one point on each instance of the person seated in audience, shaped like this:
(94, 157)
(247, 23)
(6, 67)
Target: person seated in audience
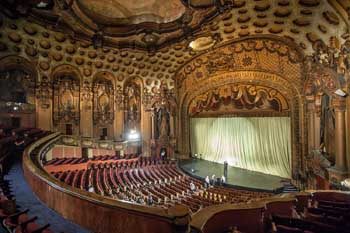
(207, 182)
(139, 200)
(192, 186)
(149, 199)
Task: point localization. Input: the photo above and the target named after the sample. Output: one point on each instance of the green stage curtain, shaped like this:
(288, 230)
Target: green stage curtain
(260, 144)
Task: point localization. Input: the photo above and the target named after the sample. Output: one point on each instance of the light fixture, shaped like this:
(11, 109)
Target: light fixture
(42, 4)
(340, 92)
(133, 135)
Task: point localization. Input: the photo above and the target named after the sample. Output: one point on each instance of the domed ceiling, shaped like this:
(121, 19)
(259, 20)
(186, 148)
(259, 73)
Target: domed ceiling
(132, 11)
(54, 32)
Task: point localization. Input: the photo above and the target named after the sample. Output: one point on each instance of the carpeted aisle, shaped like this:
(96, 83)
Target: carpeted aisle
(25, 198)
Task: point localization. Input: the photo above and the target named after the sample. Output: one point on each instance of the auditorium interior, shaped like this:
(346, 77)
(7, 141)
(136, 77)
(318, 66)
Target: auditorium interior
(175, 116)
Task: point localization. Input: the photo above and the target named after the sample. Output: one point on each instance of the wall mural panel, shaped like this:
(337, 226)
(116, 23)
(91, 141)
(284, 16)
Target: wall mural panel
(103, 95)
(66, 105)
(132, 97)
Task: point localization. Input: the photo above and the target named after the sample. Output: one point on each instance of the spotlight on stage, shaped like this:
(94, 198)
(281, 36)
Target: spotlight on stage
(133, 135)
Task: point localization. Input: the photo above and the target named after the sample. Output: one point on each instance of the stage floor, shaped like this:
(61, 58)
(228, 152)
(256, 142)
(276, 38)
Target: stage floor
(236, 177)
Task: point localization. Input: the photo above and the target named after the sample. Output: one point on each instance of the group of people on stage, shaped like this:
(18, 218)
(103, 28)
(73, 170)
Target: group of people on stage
(213, 181)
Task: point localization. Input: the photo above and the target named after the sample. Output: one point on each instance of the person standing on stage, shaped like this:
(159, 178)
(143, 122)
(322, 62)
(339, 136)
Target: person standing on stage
(225, 169)
(223, 180)
(207, 182)
(213, 179)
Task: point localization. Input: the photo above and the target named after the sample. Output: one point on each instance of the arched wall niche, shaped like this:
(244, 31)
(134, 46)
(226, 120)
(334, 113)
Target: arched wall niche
(20, 68)
(18, 79)
(326, 122)
(66, 82)
(133, 109)
(103, 86)
(263, 61)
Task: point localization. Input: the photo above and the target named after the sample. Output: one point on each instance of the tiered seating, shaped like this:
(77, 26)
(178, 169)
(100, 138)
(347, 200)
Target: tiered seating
(137, 180)
(14, 220)
(15, 140)
(323, 216)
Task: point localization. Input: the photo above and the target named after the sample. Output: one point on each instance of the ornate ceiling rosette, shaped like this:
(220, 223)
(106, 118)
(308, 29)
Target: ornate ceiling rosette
(143, 24)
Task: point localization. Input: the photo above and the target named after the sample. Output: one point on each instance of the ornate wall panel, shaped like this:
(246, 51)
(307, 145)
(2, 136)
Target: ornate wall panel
(103, 103)
(132, 97)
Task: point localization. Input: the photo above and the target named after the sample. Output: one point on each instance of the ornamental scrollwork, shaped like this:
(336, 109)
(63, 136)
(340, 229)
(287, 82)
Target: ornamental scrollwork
(240, 97)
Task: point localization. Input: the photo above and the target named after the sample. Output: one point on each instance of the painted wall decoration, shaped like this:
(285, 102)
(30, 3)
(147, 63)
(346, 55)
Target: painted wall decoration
(103, 95)
(66, 105)
(132, 98)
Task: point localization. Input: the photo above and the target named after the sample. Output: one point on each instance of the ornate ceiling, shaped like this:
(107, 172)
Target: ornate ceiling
(151, 24)
(152, 42)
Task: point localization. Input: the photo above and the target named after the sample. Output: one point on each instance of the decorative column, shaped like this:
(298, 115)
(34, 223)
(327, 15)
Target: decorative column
(311, 123)
(317, 122)
(146, 131)
(339, 171)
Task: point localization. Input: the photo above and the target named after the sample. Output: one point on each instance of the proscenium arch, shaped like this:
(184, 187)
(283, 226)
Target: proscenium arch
(190, 84)
(254, 78)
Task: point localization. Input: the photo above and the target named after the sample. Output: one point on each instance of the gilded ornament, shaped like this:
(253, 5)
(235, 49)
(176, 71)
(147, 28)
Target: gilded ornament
(331, 17)
(130, 70)
(57, 56)
(123, 53)
(70, 49)
(46, 34)
(92, 54)
(60, 37)
(15, 37)
(262, 6)
(322, 28)
(98, 64)
(309, 3)
(79, 61)
(30, 30)
(87, 72)
(30, 51)
(115, 67)
(302, 22)
(44, 65)
(110, 58)
(282, 12)
(45, 44)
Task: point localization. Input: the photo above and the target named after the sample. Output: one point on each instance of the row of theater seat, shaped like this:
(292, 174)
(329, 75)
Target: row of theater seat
(62, 161)
(322, 216)
(14, 140)
(14, 220)
(136, 180)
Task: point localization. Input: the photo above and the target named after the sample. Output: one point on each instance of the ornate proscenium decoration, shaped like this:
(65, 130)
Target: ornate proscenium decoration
(239, 98)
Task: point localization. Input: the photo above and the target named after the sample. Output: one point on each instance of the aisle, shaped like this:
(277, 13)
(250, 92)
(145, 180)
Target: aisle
(27, 199)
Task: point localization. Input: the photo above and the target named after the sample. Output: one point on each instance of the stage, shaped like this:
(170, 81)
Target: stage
(236, 177)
